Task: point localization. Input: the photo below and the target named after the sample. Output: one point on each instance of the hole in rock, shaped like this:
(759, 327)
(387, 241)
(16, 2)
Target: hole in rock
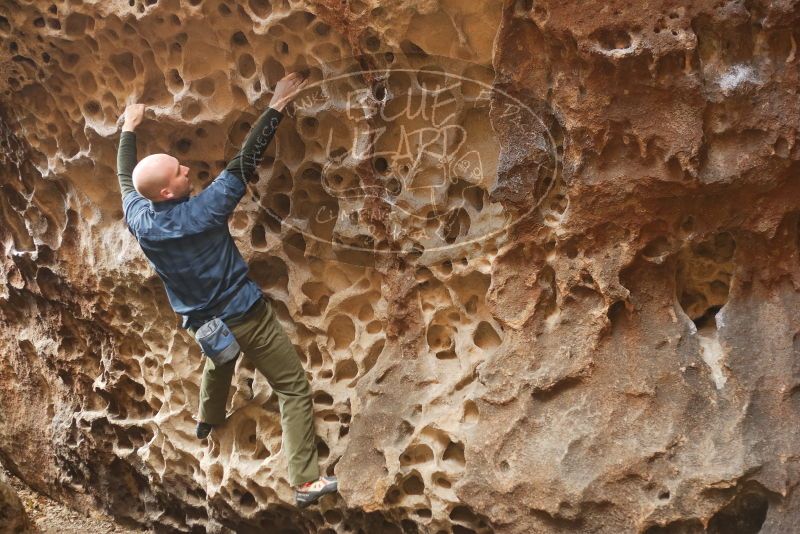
(381, 165)
(471, 413)
(309, 125)
(322, 450)
(239, 38)
(522, 7)
(440, 479)
(454, 453)
(314, 356)
(617, 313)
(456, 224)
(345, 370)
(273, 70)
(463, 514)
(247, 500)
(281, 205)
(333, 516)
(372, 43)
(745, 514)
(270, 272)
(612, 38)
(449, 354)
(295, 247)
(205, 87)
(656, 248)
(393, 496)
(92, 108)
(413, 485)
(416, 454)
(123, 64)
(183, 145)
(175, 79)
(366, 313)
(247, 65)
(394, 186)
(215, 474)
(322, 29)
(440, 337)
(77, 23)
(374, 351)
(412, 49)
(703, 276)
(342, 331)
(323, 399)
(258, 236)
(486, 337)
(261, 8)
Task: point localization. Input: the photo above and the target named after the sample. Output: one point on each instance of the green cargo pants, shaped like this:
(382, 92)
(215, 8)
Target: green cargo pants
(265, 343)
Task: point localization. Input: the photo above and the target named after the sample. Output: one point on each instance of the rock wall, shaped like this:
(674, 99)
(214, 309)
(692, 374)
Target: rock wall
(539, 260)
(13, 517)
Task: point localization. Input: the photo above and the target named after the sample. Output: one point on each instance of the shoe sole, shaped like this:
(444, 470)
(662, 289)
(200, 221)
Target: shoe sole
(306, 504)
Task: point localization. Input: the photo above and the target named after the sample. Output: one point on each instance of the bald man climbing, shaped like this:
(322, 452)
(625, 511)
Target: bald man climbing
(187, 241)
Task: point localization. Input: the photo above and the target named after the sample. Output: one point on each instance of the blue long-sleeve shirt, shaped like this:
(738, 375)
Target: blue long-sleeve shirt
(187, 240)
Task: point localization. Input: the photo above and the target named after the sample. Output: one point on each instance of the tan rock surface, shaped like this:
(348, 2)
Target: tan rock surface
(46, 516)
(13, 518)
(596, 331)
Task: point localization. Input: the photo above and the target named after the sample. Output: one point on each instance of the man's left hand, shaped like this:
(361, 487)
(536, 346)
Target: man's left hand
(286, 89)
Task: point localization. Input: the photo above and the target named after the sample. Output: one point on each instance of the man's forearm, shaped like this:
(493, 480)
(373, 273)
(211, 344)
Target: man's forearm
(126, 161)
(244, 164)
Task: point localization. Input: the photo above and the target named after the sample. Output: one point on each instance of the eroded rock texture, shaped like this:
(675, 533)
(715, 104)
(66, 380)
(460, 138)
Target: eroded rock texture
(596, 332)
(13, 518)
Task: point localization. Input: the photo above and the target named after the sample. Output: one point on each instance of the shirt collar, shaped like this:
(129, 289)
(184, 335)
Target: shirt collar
(167, 204)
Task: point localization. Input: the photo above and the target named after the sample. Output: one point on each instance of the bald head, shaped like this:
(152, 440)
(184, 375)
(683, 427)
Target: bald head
(160, 177)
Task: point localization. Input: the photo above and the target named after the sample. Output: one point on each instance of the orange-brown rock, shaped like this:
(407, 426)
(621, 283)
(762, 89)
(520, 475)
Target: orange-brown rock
(540, 260)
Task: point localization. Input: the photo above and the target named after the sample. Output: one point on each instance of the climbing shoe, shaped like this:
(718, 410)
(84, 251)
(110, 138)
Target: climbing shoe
(203, 429)
(310, 492)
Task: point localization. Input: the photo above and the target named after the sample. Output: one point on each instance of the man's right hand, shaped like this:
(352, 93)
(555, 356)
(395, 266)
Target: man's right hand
(286, 89)
(134, 114)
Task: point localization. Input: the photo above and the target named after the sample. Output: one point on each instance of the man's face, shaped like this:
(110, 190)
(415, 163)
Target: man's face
(179, 183)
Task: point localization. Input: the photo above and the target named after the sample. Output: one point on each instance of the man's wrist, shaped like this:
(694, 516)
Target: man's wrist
(128, 128)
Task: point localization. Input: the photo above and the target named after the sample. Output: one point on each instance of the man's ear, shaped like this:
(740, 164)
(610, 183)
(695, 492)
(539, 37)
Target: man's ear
(166, 194)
